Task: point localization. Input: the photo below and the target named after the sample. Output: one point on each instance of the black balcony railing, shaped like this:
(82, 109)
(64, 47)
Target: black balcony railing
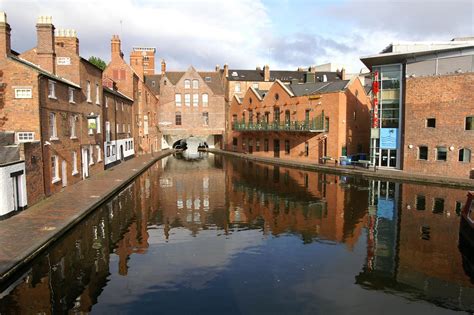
(318, 124)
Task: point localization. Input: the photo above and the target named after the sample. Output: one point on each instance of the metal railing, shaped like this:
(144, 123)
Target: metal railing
(318, 124)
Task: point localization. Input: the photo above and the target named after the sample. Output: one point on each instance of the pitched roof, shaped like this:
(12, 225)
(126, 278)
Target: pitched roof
(215, 84)
(43, 72)
(282, 75)
(318, 87)
(117, 93)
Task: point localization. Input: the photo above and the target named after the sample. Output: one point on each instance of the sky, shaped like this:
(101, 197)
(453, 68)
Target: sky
(285, 34)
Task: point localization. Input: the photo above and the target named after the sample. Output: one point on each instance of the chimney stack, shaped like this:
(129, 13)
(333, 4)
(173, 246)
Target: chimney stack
(343, 74)
(5, 40)
(67, 38)
(45, 51)
(163, 67)
(115, 47)
(218, 68)
(226, 70)
(310, 77)
(266, 73)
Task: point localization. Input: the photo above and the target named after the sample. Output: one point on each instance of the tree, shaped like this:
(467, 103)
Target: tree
(98, 62)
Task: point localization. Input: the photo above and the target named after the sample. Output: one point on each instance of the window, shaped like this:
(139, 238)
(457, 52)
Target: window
(88, 91)
(431, 122)
(195, 100)
(306, 148)
(73, 119)
(98, 123)
(205, 100)
(99, 153)
(124, 128)
(207, 79)
(97, 94)
(91, 155)
(145, 125)
(129, 128)
(422, 153)
(177, 99)
(23, 93)
(420, 203)
(265, 145)
(205, 118)
(71, 95)
(465, 155)
(178, 119)
(121, 103)
(458, 208)
(234, 143)
(441, 154)
(470, 123)
(54, 169)
(195, 84)
(107, 131)
(22, 137)
(255, 86)
(153, 83)
(257, 145)
(53, 133)
(287, 146)
(277, 96)
(52, 89)
(117, 127)
(187, 84)
(438, 205)
(74, 163)
(237, 87)
(187, 99)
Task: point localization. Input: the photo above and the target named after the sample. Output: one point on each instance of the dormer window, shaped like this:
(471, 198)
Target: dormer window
(207, 79)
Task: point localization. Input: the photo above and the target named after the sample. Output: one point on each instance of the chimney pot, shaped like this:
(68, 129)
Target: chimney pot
(45, 48)
(5, 40)
(226, 70)
(266, 73)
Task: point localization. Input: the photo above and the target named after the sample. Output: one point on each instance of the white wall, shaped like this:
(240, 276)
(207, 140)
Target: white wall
(6, 187)
(115, 154)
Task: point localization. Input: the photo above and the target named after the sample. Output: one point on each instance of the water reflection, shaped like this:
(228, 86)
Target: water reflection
(238, 236)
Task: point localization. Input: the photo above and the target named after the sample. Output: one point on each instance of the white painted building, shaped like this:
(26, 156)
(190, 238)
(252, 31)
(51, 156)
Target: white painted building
(13, 195)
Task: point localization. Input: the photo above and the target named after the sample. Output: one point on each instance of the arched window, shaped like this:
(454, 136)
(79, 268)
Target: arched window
(465, 155)
(195, 84)
(205, 99)
(187, 84)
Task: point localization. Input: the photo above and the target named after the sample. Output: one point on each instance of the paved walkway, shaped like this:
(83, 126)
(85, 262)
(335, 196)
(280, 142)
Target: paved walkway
(395, 175)
(25, 235)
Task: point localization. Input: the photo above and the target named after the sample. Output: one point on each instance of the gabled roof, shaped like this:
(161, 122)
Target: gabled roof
(149, 82)
(117, 93)
(237, 99)
(215, 84)
(318, 87)
(282, 75)
(43, 72)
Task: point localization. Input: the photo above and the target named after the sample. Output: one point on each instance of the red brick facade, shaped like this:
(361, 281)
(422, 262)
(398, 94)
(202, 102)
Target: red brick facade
(449, 100)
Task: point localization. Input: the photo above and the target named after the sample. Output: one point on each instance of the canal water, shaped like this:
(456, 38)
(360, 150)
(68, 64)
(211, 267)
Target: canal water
(207, 234)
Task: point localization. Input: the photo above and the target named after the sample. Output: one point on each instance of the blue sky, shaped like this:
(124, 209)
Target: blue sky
(246, 33)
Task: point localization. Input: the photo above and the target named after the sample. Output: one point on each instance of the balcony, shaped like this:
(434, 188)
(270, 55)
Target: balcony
(318, 124)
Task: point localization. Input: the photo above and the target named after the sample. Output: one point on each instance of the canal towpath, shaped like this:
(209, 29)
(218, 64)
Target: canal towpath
(26, 234)
(381, 174)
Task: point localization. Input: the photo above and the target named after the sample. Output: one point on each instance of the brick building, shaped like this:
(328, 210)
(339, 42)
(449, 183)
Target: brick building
(117, 125)
(130, 82)
(191, 104)
(238, 81)
(425, 116)
(309, 121)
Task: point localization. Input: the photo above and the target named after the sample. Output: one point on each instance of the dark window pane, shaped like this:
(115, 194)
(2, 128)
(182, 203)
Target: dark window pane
(438, 205)
(423, 153)
(431, 122)
(420, 203)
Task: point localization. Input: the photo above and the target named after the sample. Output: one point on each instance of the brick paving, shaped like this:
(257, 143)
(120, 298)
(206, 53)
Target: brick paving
(24, 235)
(394, 175)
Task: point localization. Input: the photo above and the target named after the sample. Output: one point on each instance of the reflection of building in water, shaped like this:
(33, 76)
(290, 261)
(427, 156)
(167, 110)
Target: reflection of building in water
(417, 251)
(71, 275)
(281, 200)
(192, 194)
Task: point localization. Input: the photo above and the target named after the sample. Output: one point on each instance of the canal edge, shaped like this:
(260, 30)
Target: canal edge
(35, 252)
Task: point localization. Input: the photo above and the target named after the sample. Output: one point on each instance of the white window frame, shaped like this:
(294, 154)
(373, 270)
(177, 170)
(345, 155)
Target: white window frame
(53, 131)
(55, 169)
(145, 124)
(195, 84)
(107, 131)
(73, 119)
(25, 136)
(205, 99)
(74, 163)
(187, 84)
(177, 99)
(117, 125)
(106, 102)
(187, 99)
(91, 155)
(23, 93)
(98, 122)
(129, 128)
(97, 94)
(123, 128)
(71, 95)
(195, 100)
(237, 87)
(88, 92)
(51, 89)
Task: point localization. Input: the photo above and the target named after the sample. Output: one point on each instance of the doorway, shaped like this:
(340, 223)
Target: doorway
(276, 148)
